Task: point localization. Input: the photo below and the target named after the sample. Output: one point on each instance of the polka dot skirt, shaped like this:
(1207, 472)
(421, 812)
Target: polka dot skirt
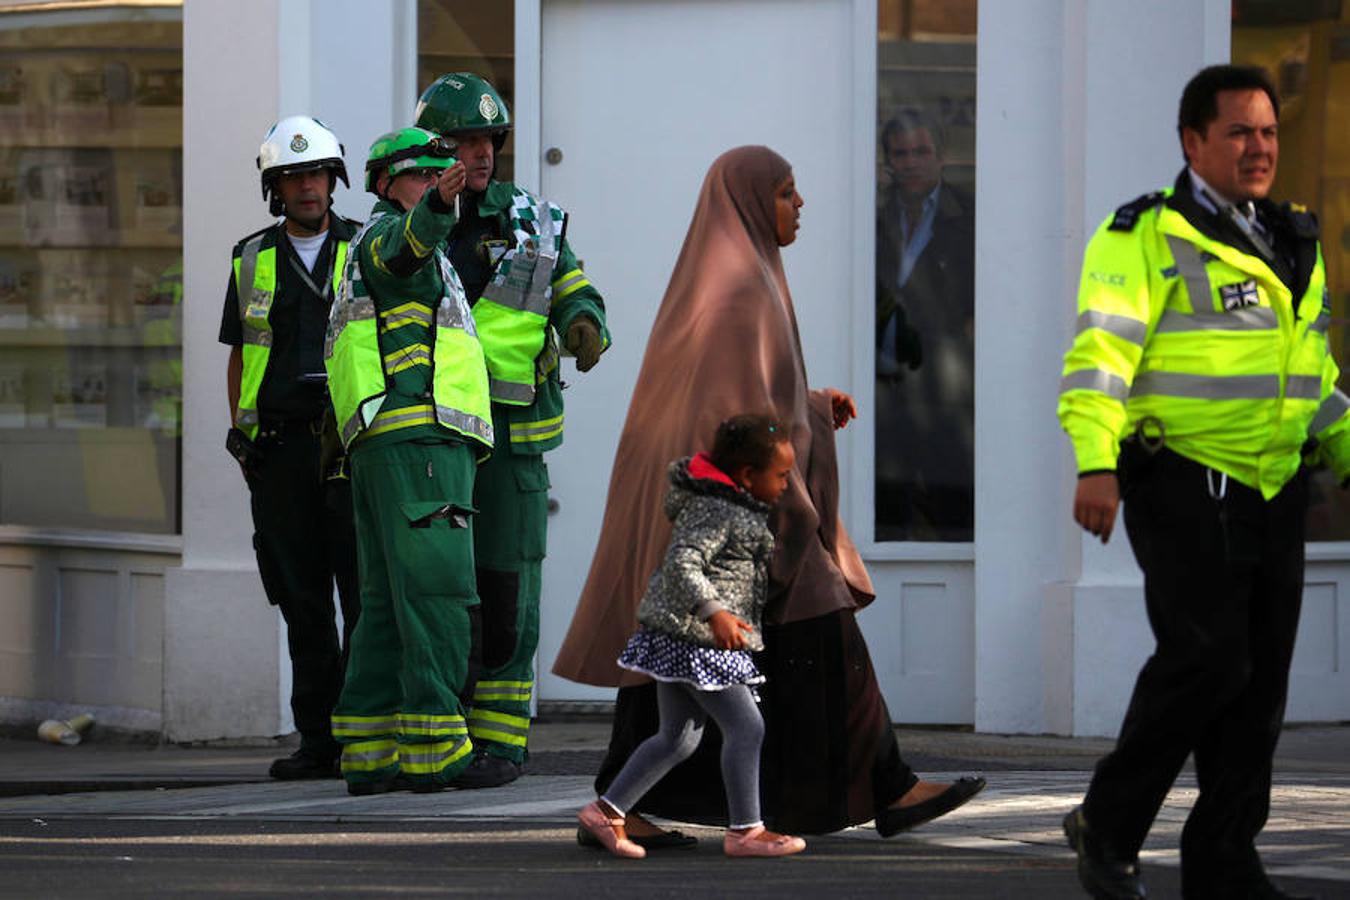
(667, 658)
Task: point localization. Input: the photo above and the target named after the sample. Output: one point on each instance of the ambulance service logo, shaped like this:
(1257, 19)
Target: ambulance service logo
(299, 144)
(487, 107)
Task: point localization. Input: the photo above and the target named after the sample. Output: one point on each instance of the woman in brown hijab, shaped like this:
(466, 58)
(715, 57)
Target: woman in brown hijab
(725, 342)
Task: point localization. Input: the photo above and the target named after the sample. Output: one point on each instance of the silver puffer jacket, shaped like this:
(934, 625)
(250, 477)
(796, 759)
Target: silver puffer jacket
(718, 558)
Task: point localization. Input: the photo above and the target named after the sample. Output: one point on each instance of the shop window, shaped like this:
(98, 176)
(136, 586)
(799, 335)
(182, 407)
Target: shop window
(925, 278)
(1304, 46)
(470, 36)
(90, 266)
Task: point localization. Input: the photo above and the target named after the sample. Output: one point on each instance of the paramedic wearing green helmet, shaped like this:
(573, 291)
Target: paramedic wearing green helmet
(527, 289)
(410, 395)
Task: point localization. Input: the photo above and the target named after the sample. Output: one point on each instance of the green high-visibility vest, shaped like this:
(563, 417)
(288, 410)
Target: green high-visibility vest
(359, 374)
(512, 313)
(255, 281)
(1203, 343)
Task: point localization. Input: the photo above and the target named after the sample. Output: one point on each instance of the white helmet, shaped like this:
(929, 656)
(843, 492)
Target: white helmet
(295, 144)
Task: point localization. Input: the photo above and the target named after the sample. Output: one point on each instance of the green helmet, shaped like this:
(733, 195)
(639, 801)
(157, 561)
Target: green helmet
(407, 148)
(460, 102)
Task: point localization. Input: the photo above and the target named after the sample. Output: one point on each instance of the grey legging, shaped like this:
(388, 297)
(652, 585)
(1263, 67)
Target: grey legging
(684, 709)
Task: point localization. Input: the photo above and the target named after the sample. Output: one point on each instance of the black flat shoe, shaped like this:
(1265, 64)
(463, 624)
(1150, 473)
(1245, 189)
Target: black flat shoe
(894, 820)
(665, 840)
(1102, 875)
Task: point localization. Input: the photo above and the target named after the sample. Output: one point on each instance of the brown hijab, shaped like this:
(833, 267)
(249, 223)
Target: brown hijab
(724, 342)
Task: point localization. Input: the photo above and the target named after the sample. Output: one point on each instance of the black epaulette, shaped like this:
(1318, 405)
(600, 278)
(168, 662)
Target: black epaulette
(1126, 216)
(1301, 219)
(239, 244)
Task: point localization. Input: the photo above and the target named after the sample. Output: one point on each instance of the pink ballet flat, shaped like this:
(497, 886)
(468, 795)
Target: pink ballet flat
(604, 830)
(758, 842)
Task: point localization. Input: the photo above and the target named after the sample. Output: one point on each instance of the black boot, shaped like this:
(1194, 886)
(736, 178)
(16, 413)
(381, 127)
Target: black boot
(488, 771)
(303, 764)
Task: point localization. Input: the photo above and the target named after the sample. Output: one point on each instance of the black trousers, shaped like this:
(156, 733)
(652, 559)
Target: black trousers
(1223, 583)
(305, 540)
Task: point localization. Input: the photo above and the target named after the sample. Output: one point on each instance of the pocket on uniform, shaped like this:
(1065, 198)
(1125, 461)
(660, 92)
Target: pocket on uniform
(435, 549)
(532, 485)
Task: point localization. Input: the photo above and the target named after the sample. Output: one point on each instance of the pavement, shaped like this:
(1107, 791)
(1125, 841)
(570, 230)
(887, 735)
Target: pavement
(143, 819)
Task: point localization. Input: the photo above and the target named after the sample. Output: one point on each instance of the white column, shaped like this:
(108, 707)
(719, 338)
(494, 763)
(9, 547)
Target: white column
(1077, 114)
(226, 671)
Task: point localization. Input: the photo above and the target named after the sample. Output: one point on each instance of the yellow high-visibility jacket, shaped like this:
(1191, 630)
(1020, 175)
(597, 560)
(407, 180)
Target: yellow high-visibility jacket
(1180, 327)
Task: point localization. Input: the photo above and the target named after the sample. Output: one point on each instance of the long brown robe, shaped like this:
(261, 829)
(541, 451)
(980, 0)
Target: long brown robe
(725, 341)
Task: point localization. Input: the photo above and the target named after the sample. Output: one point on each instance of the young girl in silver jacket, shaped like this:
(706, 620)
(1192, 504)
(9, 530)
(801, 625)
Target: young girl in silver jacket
(697, 623)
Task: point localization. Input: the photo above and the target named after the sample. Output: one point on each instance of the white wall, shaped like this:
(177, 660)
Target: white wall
(1077, 107)
(353, 65)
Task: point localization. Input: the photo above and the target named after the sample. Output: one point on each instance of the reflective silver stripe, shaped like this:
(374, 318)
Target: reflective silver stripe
(1246, 318)
(1206, 387)
(508, 390)
(247, 417)
(1095, 380)
(349, 755)
(1329, 413)
(1123, 327)
(411, 757)
(257, 336)
(414, 316)
(1320, 324)
(248, 270)
(390, 420)
(378, 726)
(464, 423)
(501, 693)
(1303, 387)
(562, 286)
(1191, 267)
(525, 430)
(351, 428)
(477, 722)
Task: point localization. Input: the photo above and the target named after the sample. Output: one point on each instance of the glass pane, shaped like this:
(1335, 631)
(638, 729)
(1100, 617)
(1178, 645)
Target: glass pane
(471, 36)
(91, 268)
(1305, 49)
(925, 359)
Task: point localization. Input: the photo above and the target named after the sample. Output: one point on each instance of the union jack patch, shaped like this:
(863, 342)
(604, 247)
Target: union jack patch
(1239, 294)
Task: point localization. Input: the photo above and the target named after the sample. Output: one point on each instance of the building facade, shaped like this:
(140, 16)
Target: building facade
(127, 580)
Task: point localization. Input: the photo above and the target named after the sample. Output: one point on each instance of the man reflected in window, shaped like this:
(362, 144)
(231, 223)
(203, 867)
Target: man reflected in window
(925, 398)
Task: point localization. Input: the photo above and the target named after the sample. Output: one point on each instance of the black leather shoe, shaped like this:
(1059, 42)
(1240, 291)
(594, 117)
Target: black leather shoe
(487, 771)
(895, 819)
(304, 764)
(1102, 876)
(665, 840)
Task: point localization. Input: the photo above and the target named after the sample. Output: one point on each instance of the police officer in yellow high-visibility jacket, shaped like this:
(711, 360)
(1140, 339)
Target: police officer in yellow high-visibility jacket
(527, 289)
(275, 318)
(1198, 387)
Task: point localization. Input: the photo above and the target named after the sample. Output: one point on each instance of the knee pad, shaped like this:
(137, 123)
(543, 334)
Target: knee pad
(498, 595)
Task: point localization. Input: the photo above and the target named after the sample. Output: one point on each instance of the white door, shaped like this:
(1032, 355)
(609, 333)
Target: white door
(639, 96)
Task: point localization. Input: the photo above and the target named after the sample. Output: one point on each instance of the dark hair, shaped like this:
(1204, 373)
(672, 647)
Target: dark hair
(909, 121)
(1200, 103)
(746, 440)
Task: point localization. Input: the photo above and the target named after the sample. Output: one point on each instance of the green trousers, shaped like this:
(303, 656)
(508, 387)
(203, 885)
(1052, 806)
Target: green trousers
(510, 532)
(400, 710)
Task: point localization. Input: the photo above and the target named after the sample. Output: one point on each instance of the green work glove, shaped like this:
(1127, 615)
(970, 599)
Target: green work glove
(583, 341)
